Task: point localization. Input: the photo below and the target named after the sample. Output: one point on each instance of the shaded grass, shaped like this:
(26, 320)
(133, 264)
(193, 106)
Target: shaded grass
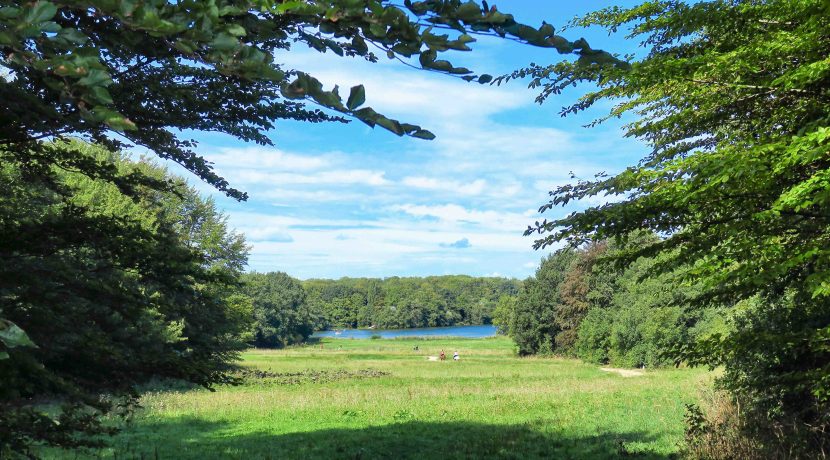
(491, 404)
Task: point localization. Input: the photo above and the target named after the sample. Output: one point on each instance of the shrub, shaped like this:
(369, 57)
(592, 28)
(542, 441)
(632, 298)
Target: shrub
(592, 343)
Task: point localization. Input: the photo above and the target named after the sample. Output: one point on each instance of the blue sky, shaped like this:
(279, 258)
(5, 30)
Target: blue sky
(333, 200)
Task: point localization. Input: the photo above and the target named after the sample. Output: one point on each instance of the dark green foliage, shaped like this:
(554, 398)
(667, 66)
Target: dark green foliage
(774, 374)
(407, 302)
(112, 291)
(580, 304)
(582, 289)
(281, 314)
(644, 317)
(733, 100)
(594, 337)
(534, 327)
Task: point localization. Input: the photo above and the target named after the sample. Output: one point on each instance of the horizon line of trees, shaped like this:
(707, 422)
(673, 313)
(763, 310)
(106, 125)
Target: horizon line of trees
(408, 302)
(286, 311)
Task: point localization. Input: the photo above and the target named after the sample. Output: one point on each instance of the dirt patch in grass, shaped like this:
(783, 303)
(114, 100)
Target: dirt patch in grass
(623, 372)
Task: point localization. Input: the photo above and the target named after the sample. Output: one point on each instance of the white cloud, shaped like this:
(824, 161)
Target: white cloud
(477, 138)
(475, 187)
(452, 213)
(266, 158)
(334, 177)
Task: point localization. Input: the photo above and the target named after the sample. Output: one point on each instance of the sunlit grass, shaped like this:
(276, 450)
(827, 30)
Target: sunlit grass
(490, 404)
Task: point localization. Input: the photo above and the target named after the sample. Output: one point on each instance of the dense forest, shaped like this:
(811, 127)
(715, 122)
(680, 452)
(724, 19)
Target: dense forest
(580, 304)
(408, 302)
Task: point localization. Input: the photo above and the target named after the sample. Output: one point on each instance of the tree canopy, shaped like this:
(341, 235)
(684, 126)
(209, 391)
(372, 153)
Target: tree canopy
(281, 314)
(397, 302)
(580, 304)
(733, 100)
(121, 72)
(102, 291)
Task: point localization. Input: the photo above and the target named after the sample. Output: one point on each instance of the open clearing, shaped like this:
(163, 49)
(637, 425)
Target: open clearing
(365, 399)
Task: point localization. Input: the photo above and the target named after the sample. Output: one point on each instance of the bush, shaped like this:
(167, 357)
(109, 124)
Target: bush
(592, 343)
(724, 429)
(718, 432)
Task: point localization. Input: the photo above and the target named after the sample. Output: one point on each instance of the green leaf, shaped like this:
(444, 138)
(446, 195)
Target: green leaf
(359, 44)
(101, 95)
(236, 30)
(286, 7)
(468, 12)
(49, 27)
(390, 125)
(73, 36)
(112, 118)
(441, 64)
(423, 134)
(224, 42)
(9, 12)
(357, 96)
(427, 57)
(96, 77)
(334, 46)
(378, 30)
(12, 336)
(40, 12)
(367, 115)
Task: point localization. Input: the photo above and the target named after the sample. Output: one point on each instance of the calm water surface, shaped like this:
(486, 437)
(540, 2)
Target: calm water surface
(474, 332)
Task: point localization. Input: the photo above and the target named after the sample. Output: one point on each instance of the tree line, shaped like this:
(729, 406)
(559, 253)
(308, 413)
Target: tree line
(287, 311)
(408, 302)
(580, 304)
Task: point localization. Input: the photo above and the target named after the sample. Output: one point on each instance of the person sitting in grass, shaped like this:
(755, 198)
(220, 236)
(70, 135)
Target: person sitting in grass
(455, 356)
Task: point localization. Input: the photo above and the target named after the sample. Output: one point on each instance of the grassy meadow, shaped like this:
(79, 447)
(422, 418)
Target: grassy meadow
(362, 399)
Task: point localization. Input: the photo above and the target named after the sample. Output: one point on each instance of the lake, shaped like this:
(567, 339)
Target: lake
(473, 332)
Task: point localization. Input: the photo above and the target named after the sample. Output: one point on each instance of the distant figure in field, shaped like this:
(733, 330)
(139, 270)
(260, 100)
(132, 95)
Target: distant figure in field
(443, 356)
(455, 356)
(416, 348)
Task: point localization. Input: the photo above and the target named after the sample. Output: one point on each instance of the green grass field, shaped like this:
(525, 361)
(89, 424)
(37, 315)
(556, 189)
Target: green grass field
(365, 399)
